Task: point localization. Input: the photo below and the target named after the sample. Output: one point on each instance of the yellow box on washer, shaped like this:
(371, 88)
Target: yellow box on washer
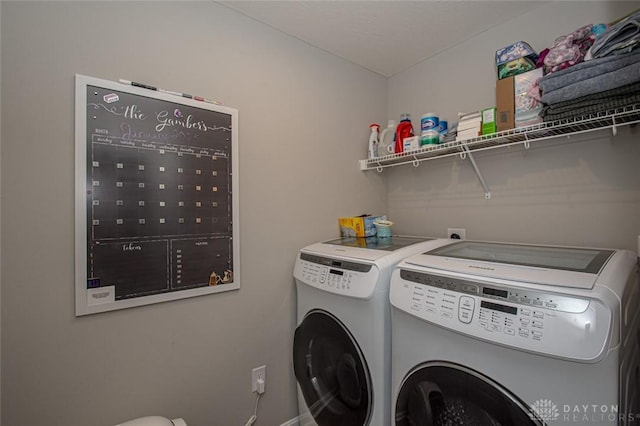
(358, 226)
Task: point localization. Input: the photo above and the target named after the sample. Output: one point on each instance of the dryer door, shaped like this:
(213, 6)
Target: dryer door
(331, 371)
(441, 393)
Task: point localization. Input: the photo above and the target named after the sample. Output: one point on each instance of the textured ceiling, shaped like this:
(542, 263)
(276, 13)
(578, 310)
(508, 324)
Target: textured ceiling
(386, 37)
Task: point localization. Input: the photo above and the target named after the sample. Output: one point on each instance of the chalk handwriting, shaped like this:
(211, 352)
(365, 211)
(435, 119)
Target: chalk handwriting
(128, 133)
(131, 247)
(188, 123)
(226, 129)
(132, 111)
(112, 109)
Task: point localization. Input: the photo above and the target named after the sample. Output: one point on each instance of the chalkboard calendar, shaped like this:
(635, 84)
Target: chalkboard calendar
(156, 197)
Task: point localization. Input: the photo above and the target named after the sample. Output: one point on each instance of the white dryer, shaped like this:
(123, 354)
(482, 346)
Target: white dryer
(509, 334)
(342, 343)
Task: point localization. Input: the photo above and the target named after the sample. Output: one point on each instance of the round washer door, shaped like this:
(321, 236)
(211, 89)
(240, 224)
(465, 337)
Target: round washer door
(441, 393)
(331, 371)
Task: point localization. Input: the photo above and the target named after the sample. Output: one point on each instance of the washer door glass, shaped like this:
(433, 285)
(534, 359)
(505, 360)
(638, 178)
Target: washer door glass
(440, 393)
(331, 371)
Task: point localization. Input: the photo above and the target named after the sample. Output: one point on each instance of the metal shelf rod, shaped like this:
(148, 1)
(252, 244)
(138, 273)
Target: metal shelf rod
(487, 193)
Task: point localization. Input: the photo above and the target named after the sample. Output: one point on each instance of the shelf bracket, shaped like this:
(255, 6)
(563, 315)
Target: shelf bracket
(487, 193)
(527, 144)
(614, 128)
(416, 162)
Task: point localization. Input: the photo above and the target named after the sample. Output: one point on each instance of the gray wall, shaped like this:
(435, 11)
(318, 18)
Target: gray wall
(0, 216)
(304, 117)
(578, 191)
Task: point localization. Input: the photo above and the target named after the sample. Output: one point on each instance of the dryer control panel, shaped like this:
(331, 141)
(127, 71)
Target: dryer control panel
(550, 324)
(344, 277)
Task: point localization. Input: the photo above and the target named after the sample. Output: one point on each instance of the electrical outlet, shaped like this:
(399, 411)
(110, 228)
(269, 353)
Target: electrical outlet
(456, 233)
(257, 374)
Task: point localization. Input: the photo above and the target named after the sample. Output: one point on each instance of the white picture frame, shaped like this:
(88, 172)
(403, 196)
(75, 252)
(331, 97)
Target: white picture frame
(156, 196)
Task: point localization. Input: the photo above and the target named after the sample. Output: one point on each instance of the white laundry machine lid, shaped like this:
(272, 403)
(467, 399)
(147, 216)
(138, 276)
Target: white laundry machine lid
(371, 248)
(550, 265)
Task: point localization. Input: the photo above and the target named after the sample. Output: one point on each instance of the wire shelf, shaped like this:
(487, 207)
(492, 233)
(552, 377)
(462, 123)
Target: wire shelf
(523, 135)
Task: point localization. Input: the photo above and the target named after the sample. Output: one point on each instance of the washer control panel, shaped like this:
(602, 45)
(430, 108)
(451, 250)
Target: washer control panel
(337, 276)
(520, 296)
(573, 328)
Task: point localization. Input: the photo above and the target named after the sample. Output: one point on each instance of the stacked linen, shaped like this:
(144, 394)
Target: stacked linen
(607, 79)
(568, 50)
(589, 77)
(593, 104)
(623, 37)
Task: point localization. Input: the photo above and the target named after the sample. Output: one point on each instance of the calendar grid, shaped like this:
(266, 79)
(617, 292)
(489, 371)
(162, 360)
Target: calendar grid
(159, 199)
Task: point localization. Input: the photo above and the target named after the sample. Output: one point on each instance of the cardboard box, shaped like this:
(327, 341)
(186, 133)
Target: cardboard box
(359, 226)
(505, 103)
(488, 121)
(527, 108)
(411, 143)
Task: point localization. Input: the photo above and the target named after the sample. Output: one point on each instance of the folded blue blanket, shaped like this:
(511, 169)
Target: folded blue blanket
(594, 76)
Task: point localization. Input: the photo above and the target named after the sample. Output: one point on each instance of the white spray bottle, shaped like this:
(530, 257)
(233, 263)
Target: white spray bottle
(373, 140)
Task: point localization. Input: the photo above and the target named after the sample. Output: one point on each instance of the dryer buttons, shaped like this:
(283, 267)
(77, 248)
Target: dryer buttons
(465, 309)
(323, 275)
(467, 302)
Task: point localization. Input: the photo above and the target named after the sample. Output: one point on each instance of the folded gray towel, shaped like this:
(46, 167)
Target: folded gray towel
(597, 75)
(594, 99)
(587, 69)
(606, 106)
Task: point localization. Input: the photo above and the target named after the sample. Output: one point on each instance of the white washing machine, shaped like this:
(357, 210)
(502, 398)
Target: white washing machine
(509, 334)
(342, 344)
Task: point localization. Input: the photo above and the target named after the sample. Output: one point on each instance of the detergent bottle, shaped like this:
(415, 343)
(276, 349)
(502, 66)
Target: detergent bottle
(387, 137)
(373, 140)
(404, 130)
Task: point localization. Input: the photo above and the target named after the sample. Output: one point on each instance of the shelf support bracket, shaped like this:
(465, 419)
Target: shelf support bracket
(614, 128)
(527, 144)
(487, 193)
